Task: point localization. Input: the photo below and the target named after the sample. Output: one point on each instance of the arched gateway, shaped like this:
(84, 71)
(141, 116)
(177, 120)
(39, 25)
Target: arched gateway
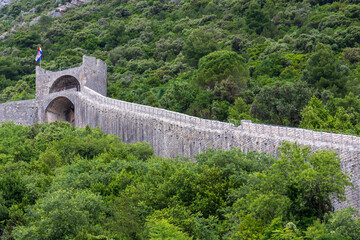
(65, 83)
(60, 109)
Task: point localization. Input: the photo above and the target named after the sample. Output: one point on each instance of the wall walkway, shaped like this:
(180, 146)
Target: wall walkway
(172, 134)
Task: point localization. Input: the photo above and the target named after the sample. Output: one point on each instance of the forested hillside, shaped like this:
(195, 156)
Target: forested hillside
(61, 182)
(293, 63)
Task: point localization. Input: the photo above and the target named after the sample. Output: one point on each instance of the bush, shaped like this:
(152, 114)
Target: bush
(352, 54)
(279, 104)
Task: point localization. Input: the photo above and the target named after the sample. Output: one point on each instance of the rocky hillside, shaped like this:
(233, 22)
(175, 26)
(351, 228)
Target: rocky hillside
(5, 2)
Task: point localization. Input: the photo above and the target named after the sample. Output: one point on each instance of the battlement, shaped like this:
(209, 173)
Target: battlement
(92, 74)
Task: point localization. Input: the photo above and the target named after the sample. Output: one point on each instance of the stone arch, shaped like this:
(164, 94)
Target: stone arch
(60, 109)
(65, 82)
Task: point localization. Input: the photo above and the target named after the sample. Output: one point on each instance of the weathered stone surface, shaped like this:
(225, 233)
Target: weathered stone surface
(5, 2)
(92, 74)
(21, 112)
(169, 133)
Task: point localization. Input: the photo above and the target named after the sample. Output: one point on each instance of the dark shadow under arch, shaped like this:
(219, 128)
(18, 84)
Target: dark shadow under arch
(60, 109)
(65, 82)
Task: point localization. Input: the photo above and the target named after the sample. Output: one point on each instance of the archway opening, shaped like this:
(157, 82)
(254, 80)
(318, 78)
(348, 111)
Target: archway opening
(60, 109)
(64, 83)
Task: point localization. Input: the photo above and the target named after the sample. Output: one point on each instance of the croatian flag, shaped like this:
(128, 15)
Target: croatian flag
(39, 55)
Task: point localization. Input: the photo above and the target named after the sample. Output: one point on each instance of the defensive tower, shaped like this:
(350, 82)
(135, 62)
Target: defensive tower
(51, 85)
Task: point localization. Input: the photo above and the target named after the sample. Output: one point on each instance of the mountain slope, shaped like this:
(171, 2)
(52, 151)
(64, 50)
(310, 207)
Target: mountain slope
(229, 59)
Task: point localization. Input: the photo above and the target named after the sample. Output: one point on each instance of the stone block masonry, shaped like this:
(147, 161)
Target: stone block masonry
(169, 133)
(20, 112)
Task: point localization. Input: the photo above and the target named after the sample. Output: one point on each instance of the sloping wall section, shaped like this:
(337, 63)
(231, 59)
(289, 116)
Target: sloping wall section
(170, 133)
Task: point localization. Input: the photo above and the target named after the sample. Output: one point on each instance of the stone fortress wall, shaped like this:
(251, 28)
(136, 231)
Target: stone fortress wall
(20, 112)
(170, 134)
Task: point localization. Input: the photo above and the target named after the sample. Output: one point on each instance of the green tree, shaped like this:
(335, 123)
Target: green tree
(289, 232)
(14, 10)
(323, 70)
(330, 117)
(281, 104)
(199, 43)
(256, 18)
(27, 40)
(201, 106)
(62, 214)
(344, 223)
(239, 111)
(163, 230)
(178, 96)
(272, 65)
(9, 68)
(339, 225)
(12, 189)
(219, 110)
(221, 65)
(299, 185)
(315, 116)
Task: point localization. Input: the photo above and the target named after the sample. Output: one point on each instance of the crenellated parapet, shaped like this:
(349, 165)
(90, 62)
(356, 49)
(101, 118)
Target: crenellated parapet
(92, 74)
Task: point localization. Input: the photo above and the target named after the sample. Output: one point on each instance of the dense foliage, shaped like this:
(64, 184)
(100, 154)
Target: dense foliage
(261, 60)
(294, 63)
(61, 182)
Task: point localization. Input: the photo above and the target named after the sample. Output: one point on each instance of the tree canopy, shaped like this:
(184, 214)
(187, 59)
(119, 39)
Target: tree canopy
(293, 63)
(62, 182)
